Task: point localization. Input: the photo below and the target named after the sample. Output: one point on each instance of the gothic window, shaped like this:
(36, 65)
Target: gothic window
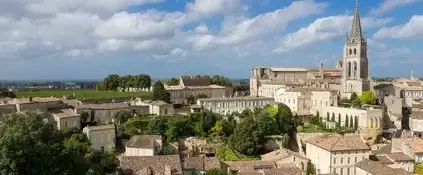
(350, 51)
(355, 69)
(349, 69)
(355, 51)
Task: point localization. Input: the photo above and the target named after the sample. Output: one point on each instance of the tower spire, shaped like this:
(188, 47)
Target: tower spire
(356, 24)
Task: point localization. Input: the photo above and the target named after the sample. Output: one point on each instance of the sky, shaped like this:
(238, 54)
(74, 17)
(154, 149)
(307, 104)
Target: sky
(89, 39)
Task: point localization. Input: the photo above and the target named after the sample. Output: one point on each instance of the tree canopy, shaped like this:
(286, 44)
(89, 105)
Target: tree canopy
(160, 93)
(368, 97)
(114, 81)
(32, 145)
(6, 93)
(247, 137)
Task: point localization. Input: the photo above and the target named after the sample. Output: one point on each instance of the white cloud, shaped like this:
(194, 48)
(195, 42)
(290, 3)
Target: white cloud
(388, 5)
(239, 30)
(324, 29)
(146, 25)
(207, 8)
(202, 28)
(52, 7)
(174, 53)
(411, 30)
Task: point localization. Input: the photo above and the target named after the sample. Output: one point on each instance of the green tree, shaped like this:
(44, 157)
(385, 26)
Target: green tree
(215, 172)
(218, 128)
(229, 126)
(177, 128)
(285, 119)
(310, 168)
(100, 87)
(353, 97)
(111, 82)
(156, 127)
(160, 93)
(419, 169)
(173, 82)
(191, 99)
(122, 116)
(368, 97)
(346, 121)
(247, 138)
(267, 124)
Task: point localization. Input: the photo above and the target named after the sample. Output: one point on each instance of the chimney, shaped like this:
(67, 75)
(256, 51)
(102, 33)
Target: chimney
(168, 170)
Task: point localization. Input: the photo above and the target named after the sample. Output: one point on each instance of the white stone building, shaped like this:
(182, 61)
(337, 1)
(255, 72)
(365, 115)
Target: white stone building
(144, 145)
(66, 118)
(102, 137)
(284, 156)
(102, 113)
(416, 123)
(228, 105)
(386, 157)
(331, 153)
(301, 100)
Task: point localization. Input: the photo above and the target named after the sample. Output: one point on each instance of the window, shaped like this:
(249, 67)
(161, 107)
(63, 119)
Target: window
(334, 161)
(294, 159)
(342, 171)
(348, 171)
(349, 160)
(342, 160)
(355, 51)
(355, 160)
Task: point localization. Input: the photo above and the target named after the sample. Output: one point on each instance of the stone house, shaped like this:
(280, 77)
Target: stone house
(413, 147)
(195, 147)
(102, 137)
(151, 165)
(228, 105)
(332, 153)
(192, 87)
(66, 118)
(369, 167)
(144, 145)
(416, 123)
(259, 167)
(284, 156)
(102, 113)
(385, 156)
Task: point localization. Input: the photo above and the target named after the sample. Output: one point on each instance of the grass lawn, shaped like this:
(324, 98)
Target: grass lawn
(84, 94)
(313, 129)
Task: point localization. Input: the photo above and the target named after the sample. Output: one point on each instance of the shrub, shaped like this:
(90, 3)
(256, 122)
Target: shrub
(300, 129)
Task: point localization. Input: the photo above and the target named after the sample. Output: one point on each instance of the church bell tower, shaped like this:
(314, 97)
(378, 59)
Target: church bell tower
(355, 73)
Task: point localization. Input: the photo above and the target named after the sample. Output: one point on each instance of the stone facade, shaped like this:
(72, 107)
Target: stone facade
(412, 147)
(192, 87)
(369, 167)
(103, 113)
(66, 118)
(102, 137)
(228, 105)
(144, 145)
(338, 154)
(301, 100)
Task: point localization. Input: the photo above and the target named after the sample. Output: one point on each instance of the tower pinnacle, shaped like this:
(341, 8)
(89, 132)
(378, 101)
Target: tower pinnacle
(356, 24)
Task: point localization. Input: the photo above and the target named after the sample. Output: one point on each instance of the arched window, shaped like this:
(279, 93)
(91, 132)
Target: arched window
(350, 51)
(355, 51)
(351, 87)
(349, 69)
(302, 166)
(355, 69)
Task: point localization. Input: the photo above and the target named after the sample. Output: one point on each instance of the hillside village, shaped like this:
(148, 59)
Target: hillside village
(293, 121)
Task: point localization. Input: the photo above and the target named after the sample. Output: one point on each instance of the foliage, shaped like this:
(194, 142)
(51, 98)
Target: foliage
(215, 172)
(300, 129)
(100, 87)
(229, 126)
(247, 137)
(191, 99)
(314, 120)
(310, 168)
(29, 145)
(356, 102)
(267, 124)
(353, 96)
(159, 92)
(368, 97)
(6, 93)
(173, 82)
(178, 127)
(84, 94)
(419, 169)
(346, 121)
(285, 119)
(156, 127)
(135, 126)
(111, 82)
(227, 154)
(218, 128)
(122, 116)
(272, 110)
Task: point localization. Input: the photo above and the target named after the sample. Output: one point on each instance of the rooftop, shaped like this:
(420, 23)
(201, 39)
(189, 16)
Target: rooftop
(202, 163)
(64, 113)
(415, 144)
(377, 168)
(288, 169)
(335, 142)
(417, 115)
(250, 166)
(143, 141)
(154, 164)
(280, 154)
(188, 81)
(234, 98)
(106, 106)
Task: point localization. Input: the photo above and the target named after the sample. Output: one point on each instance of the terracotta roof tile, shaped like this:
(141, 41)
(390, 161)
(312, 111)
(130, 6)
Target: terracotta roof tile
(188, 81)
(384, 150)
(202, 163)
(143, 141)
(64, 113)
(280, 154)
(335, 142)
(156, 164)
(250, 166)
(417, 115)
(290, 169)
(399, 157)
(377, 168)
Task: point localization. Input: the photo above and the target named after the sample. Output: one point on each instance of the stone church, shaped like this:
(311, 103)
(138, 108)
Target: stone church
(351, 74)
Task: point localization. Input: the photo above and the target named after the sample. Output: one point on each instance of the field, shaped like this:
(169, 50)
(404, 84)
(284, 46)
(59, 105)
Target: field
(85, 94)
